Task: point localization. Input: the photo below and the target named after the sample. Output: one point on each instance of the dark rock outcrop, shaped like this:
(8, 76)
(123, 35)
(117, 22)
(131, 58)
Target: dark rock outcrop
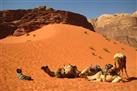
(7, 29)
(20, 22)
(121, 27)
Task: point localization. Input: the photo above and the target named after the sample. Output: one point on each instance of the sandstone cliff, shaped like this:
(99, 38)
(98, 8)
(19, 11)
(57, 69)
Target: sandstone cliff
(121, 27)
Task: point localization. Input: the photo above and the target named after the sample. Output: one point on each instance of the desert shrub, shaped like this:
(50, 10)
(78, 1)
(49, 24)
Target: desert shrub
(92, 48)
(94, 54)
(27, 34)
(100, 57)
(108, 39)
(34, 35)
(122, 48)
(85, 32)
(115, 42)
(106, 50)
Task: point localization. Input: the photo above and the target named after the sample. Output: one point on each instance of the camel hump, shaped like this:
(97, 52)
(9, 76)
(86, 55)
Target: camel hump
(119, 55)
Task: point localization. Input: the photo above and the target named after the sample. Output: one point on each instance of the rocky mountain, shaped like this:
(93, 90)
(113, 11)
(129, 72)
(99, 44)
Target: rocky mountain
(121, 27)
(19, 22)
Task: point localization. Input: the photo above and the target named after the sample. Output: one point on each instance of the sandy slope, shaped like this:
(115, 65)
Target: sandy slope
(56, 45)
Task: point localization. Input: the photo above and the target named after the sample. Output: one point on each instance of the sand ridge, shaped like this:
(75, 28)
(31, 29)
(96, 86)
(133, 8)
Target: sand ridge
(56, 45)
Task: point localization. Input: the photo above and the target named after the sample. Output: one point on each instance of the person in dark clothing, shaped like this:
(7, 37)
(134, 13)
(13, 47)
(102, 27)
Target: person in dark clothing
(21, 76)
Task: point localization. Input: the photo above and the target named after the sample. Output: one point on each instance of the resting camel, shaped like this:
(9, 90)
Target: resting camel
(68, 71)
(120, 63)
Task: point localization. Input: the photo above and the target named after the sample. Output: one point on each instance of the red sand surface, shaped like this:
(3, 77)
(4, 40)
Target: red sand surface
(56, 45)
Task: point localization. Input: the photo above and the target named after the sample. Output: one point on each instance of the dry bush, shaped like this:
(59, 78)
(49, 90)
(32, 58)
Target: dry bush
(106, 50)
(92, 48)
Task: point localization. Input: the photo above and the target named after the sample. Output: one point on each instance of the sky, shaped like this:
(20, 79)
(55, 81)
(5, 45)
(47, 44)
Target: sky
(88, 8)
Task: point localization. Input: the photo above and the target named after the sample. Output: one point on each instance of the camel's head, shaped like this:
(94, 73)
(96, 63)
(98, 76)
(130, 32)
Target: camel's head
(45, 68)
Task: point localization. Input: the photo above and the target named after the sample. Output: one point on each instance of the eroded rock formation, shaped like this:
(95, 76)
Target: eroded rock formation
(19, 22)
(121, 27)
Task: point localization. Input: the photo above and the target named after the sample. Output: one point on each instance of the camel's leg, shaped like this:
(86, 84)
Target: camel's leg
(119, 72)
(126, 72)
(122, 72)
(125, 67)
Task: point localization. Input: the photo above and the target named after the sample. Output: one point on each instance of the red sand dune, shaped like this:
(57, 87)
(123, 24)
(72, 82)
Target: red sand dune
(56, 45)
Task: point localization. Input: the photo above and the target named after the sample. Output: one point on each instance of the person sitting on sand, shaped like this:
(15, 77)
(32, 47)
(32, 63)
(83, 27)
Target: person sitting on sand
(108, 74)
(21, 76)
(67, 71)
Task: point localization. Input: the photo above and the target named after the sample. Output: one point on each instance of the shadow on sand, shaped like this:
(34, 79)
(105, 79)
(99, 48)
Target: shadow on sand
(130, 79)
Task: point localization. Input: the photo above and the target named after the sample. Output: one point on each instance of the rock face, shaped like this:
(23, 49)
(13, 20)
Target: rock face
(121, 27)
(19, 22)
(6, 29)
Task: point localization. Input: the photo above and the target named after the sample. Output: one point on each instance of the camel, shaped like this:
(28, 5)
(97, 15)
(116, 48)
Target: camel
(67, 71)
(120, 63)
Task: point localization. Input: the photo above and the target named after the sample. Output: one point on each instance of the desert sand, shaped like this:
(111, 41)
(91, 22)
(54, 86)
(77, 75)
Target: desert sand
(55, 45)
